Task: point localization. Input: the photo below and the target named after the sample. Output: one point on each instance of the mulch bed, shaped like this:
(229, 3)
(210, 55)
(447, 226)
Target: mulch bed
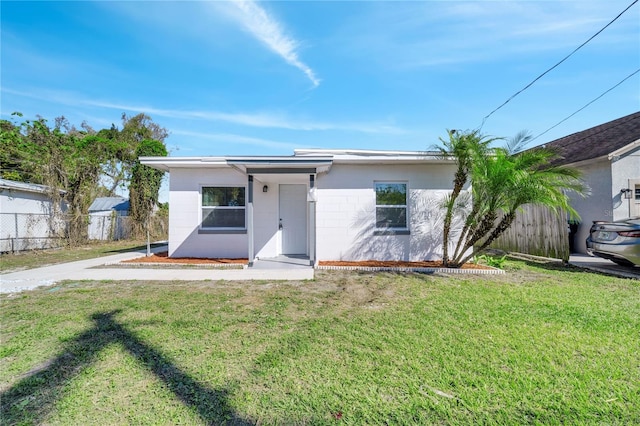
(163, 257)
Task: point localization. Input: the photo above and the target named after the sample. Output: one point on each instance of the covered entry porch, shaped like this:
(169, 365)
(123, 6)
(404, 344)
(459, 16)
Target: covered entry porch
(281, 210)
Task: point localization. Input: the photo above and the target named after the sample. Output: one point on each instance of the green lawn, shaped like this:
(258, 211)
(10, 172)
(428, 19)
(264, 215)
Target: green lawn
(10, 262)
(539, 345)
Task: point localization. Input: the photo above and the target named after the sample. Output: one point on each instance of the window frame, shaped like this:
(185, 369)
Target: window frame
(391, 230)
(221, 229)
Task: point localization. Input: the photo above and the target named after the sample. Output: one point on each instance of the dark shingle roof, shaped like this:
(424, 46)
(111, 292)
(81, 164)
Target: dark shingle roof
(598, 141)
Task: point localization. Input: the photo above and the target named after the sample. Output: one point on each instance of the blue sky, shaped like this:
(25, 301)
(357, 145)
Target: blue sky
(263, 78)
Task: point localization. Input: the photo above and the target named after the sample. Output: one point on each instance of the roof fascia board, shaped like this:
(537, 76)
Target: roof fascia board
(321, 162)
(281, 170)
(624, 149)
(394, 160)
(165, 163)
(291, 158)
(239, 163)
(288, 161)
(364, 153)
(586, 162)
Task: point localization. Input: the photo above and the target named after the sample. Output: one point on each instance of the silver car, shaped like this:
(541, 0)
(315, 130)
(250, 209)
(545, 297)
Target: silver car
(618, 241)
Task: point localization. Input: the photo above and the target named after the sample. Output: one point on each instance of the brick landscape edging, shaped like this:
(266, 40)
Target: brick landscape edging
(418, 269)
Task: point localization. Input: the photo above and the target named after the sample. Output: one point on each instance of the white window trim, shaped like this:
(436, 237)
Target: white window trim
(222, 228)
(405, 206)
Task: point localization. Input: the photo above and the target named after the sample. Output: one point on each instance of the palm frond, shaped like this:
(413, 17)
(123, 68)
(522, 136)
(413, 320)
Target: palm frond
(517, 143)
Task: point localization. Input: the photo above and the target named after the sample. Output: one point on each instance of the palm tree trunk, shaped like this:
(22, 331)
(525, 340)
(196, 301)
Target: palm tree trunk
(459, 181)
(467, 229)
(504, 224)
(485, 225)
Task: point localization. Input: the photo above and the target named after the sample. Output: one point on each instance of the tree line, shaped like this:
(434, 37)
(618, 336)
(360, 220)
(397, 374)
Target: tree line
(78, 164)
(490, 183)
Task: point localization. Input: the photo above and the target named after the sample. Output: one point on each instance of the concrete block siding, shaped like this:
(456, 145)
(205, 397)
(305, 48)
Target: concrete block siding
(185, 214)
(343, 211)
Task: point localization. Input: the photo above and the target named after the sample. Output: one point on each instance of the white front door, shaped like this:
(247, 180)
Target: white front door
(293, 218)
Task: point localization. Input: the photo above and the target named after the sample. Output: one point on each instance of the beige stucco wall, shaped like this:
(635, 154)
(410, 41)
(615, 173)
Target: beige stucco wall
(625, 173)
(605, 178)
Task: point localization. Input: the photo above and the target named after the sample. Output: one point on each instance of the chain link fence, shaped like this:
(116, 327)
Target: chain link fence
(27, 231)
(109, 227)
(32, 231)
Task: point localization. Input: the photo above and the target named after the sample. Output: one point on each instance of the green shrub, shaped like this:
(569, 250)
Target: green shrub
(493, 261)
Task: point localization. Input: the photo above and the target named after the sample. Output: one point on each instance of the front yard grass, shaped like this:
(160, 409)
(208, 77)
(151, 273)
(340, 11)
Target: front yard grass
(539, 345)
(10, 262)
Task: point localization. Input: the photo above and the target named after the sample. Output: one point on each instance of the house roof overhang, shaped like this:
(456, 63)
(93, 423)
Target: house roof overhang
(612, 139)
(624, 150)
(247, 165)
(611, 157)
(309, 161)
(360, 156)
(282, 165)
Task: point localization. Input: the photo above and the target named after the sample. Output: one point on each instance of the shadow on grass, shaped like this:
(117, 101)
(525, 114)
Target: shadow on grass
(33, 398)
(558, 265)
(136, 248)
(551, 265)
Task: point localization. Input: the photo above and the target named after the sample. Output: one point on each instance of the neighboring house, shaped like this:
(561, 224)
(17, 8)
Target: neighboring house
(316, 204)
(26, 217)
(107, 218)
(609, 157)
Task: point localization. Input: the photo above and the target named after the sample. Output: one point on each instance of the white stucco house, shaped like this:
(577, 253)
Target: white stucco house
(609, 157)
(315, 204)
(26, 216)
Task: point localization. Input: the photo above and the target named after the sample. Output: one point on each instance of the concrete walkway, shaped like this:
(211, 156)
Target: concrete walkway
(266, 269)
(90, 270)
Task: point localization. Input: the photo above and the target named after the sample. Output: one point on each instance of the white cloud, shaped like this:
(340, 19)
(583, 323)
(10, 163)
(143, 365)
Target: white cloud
(209, 21)
(274, 120)
(258, 119)
(238, 139)
(431, 34)
(269, 31)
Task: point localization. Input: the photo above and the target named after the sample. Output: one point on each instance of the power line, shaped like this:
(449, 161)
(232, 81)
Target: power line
(563, 59)
(604, 93)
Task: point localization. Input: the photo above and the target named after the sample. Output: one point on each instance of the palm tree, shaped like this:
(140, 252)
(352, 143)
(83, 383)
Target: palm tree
(465, 147)
(502, 181)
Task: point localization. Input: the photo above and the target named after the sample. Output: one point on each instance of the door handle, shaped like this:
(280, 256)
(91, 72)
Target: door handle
(280, 224)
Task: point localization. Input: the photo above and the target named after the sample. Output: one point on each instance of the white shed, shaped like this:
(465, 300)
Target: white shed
(26, 217)
(108, 218)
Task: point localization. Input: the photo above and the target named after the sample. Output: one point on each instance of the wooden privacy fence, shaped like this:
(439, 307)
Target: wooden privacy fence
(537, 231)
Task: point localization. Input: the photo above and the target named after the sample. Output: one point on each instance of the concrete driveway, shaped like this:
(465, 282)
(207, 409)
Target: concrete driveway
(604, 266)
(90, 270)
